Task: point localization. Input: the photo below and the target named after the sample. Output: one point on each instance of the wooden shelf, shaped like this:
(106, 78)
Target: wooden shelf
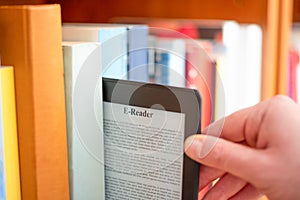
(274, 16)
(21, 2)
(244, 11)
(296, 11)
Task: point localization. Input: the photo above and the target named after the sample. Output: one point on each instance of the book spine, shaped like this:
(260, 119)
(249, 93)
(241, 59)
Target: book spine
(36, 55)
(199, 75)
(114, 52)
(84, 120)
(162, 67)
(137, 53)
(293, 62)
(151, 58)
(170, 57)
(9, 156)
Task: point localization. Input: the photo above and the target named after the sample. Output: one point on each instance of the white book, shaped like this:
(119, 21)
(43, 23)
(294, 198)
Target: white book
(83, 89)
(241, 69)
(113, 40)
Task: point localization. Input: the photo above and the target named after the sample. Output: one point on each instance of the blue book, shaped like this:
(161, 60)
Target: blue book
(170, 61)
(113, 40)
(162, 63)
(138, 53)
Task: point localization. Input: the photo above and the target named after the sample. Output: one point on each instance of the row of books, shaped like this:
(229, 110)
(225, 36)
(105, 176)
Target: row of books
(223, 60)
(56, 145)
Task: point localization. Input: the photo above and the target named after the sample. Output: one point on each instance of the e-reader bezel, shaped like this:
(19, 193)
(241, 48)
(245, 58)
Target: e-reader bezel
(174, 99)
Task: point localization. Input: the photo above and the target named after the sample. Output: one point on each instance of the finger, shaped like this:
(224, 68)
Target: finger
(208, 175)
(237, 159)
(246, 123)
(226, 187)
(248, 192)
(202, 193)
(239, 126)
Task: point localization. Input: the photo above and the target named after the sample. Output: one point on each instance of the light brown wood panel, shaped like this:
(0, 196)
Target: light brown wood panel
(284, 35)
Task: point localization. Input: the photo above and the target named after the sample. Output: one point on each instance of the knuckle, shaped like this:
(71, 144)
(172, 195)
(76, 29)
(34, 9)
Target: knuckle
(276, 103)
(280, 99)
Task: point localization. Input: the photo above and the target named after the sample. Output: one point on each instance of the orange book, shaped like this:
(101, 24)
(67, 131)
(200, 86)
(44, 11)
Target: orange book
(31, 41)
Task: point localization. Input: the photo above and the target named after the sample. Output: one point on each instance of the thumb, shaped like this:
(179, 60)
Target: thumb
(236, 159)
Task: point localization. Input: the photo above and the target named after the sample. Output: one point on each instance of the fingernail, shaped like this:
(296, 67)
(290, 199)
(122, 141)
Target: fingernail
(193, 146)
(215, 128)
(188, 142)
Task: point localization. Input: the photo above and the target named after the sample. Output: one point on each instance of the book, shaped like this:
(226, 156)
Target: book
(151, 58)
(293, 61)
(294, 69)
(200, 75)
(83, 88)
(31, 42)
(113, 41)
(237, 50)
(162, 67)
(137, 48)
(241, 72)
(9, 156)
(138, 53)
(169, 61)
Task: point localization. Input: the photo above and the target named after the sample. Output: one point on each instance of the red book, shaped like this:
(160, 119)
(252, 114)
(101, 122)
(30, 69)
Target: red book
(200, 75)
(292, 74)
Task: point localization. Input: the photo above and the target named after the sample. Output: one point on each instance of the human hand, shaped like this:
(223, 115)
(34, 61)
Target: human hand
(258, 152)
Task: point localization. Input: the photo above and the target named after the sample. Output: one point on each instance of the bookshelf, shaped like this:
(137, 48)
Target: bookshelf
(274, 16)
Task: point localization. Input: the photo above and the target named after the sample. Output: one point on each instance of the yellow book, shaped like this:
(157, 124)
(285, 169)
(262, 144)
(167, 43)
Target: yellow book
(9, 159)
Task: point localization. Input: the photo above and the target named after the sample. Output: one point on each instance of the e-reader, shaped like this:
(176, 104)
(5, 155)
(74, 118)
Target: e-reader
(145, 126)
